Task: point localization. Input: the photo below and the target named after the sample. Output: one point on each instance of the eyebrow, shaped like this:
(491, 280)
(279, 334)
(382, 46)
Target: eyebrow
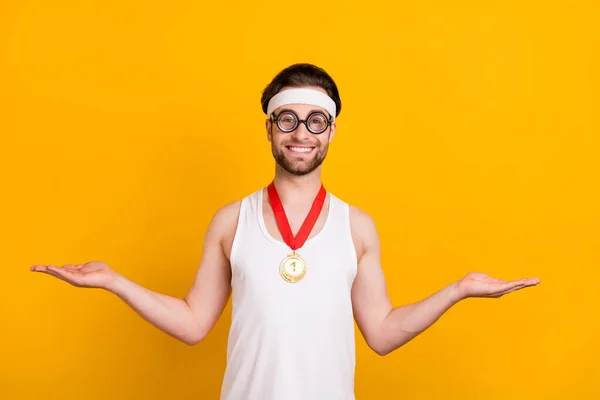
(309, 111)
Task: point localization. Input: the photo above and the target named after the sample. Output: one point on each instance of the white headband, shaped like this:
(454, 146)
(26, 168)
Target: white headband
(302, 96)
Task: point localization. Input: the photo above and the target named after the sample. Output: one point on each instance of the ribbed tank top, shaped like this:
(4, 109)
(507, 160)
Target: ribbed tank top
(291, 341)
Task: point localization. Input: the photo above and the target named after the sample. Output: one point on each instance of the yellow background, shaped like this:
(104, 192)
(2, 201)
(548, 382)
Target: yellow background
(469, 131)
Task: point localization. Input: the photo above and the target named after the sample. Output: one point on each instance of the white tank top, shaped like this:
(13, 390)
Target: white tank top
(291, 341)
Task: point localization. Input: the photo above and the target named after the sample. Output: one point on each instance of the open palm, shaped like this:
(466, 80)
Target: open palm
(477, 284)
(92, 274)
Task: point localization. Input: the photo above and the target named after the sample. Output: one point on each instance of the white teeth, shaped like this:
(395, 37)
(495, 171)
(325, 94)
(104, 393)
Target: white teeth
(301, 149)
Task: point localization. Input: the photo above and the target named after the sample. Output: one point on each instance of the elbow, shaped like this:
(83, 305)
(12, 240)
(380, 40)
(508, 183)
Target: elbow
(193, 338)
(379, 348)
(190, 342)
(381, 351)
(385, 344)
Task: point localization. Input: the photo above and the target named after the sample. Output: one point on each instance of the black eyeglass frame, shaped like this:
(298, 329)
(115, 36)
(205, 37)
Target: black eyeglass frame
(275, 118)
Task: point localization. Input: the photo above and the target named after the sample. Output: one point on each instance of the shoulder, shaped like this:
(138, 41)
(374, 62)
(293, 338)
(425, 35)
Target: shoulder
(364, 231)
(223, 226)
(226, 217)
(358, 216)
(359, 219)
(229, 211)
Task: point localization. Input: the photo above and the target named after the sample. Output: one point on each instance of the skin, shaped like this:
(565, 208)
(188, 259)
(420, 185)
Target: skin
(297, 179)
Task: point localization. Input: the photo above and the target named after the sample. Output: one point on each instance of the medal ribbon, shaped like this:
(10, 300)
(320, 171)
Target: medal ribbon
(283, 223)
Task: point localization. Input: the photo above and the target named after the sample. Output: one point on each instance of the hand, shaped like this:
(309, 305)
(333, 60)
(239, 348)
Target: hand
(94, 274)
(477, 284)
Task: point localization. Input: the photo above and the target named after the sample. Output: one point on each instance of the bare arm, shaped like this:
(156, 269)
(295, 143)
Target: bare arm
(188, 319)
(386, 328)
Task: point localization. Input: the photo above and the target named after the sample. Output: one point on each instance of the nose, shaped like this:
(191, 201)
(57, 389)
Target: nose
(301, 133)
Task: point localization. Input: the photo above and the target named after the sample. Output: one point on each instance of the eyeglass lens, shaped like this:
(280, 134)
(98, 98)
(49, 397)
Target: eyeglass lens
(316, 122)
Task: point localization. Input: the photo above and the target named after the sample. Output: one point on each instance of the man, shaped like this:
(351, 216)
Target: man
(300, 264)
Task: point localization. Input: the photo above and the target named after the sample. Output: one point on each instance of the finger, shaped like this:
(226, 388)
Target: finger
(39, 268)
(73, 267)
(61, 272)
(51, 273)
(529, 281)
(68, 267)
(507, 286)
(510, 290)
(526, 281)
(89, 268)
(74, 278)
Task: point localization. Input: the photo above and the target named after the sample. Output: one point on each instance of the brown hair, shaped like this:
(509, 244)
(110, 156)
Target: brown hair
(299, 75)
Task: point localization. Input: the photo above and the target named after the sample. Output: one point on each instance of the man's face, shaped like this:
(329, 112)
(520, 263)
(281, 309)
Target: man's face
(299, 152)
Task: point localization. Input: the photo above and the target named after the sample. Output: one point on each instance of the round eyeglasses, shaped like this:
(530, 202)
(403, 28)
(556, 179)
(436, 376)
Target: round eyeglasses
(288, 121)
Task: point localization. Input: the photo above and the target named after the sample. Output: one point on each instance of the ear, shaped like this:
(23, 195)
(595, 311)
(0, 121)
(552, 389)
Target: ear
(332, 131)
(268, 128)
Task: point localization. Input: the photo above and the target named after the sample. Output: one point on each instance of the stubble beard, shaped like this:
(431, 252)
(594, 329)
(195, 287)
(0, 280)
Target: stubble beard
(299, 168)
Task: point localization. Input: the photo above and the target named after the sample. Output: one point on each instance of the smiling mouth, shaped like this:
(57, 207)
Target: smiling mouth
(300, 149)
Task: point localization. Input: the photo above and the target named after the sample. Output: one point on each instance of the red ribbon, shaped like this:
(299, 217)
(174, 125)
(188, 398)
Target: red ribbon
(283, 223)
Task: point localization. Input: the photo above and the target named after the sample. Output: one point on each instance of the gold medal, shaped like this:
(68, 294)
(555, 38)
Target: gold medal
(292, 268)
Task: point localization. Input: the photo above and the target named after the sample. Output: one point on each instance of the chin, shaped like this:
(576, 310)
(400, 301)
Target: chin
(297, 165)
(303, 169)
(300, 172)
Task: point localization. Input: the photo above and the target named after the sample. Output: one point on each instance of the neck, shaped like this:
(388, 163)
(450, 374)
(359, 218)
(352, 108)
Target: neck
(293, 189)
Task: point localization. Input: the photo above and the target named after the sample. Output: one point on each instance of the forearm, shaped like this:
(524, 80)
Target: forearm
(404, 323)
(170, 314)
